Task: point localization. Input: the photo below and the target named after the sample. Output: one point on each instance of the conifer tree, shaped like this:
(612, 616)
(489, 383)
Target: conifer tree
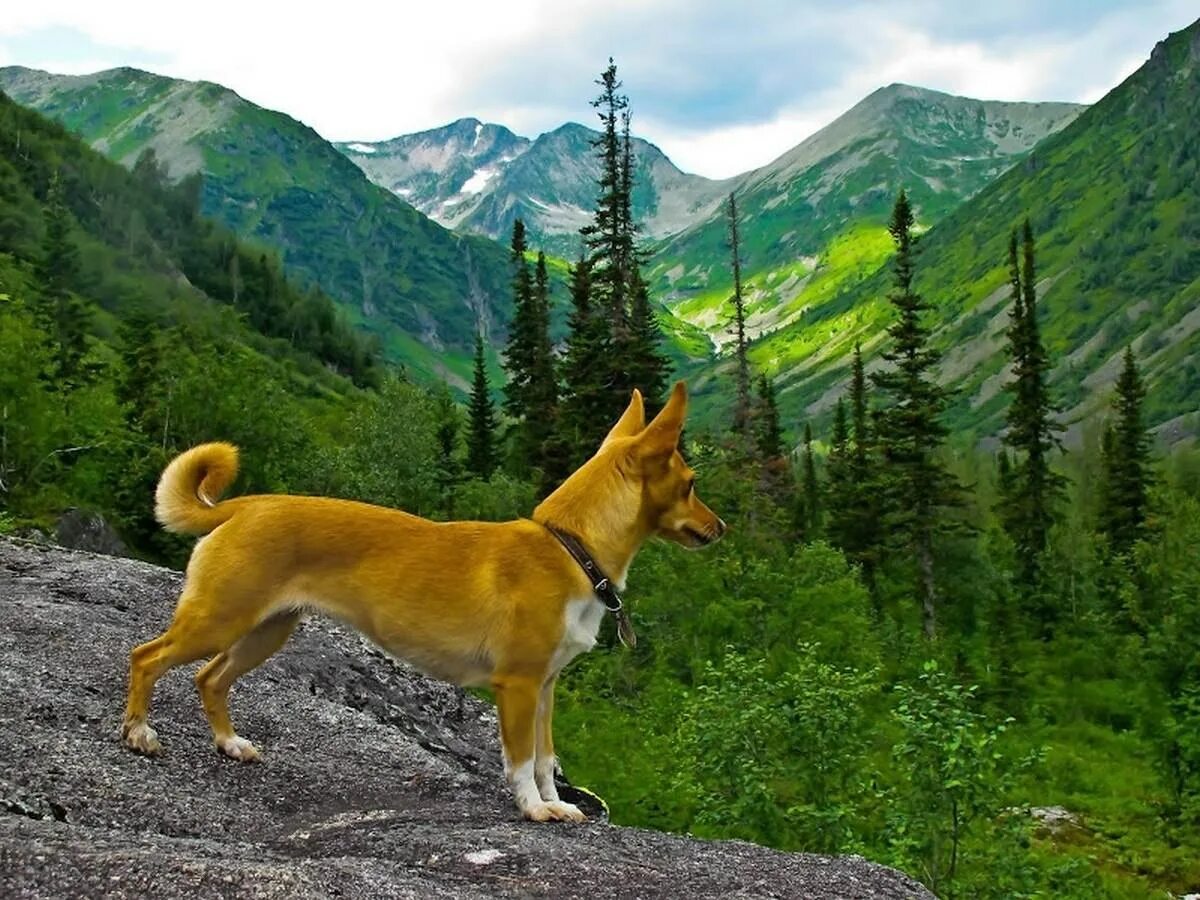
(854, 504)
(918, 488)
(481, 436)
(810, 491)
(521, 350)
(61, 313)
(741, 403)
(768, 433)
(606, 236)
(586, 396)
(838, 478)
(1126, 463)
(448, 471)
(647, 366)
(1030, 490)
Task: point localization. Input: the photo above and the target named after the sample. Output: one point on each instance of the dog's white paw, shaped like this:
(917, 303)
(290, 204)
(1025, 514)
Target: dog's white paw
(238, 748)
(556, 811)
(141, 738)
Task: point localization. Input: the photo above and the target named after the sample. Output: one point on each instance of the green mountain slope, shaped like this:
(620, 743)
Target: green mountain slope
(144, 251)
(421, 288)
(812, 220)
(1115, 203)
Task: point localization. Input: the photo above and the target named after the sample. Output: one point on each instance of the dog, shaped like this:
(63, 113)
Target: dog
(505, 604)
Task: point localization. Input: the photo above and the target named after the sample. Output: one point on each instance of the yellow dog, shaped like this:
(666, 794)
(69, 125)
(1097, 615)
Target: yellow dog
(504, 604)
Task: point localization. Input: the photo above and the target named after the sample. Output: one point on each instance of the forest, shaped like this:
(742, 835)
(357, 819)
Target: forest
(913, 644)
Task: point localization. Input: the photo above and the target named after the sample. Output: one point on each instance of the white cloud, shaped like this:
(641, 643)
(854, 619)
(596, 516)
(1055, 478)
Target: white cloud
(721, 86)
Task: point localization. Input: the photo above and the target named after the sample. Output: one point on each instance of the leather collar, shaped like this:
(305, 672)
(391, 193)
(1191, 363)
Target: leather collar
(602, 585)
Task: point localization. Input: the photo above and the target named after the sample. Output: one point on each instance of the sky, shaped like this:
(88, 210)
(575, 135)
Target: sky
(721, 87)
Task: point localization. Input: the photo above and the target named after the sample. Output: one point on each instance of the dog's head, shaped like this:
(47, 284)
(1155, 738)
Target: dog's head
(649, 454)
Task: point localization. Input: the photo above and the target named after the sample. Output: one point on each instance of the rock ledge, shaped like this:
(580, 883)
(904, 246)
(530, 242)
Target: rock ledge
(377, 782)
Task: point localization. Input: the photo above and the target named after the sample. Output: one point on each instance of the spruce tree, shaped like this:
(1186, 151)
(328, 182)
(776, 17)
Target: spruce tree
(768, 434)
(542, 413)
(854, 503)
(60, 312)
(810, 491)
(918, 488)
(606, 236)
(586, 400)
(448, 471)
(1126, 463)
(481, 436)
(838, 479)
(741, 372)
(647, 366)
(521, 350)
(1031, 490)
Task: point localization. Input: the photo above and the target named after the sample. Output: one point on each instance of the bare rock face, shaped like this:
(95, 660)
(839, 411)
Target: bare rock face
(376, 781)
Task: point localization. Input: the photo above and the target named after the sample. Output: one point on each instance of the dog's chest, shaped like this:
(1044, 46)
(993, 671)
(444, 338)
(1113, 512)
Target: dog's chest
(581, 624)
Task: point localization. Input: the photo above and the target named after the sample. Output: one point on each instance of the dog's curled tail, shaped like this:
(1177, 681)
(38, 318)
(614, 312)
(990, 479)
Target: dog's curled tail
(191, 485)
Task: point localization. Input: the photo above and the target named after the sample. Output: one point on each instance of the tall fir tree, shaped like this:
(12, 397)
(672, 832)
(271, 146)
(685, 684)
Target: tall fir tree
(619, 295)
(482, 454)
(1031, 491)
(854, 504)
(741, 361)
(1126, 463)
(531, 394)
(586, 395)
(768, 434)
(606, 235)
(448, 471)
(917, 486)
(521, 349)
(61, 313)
(809, 514)
(648, 368)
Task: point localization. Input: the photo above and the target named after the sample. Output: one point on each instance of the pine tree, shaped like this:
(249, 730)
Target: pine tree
(917, 486)
(60, 312)
(647, 366)
(481, 437)
(839, 481)
(585, 404)
(521, 350)
(854, 503)
(606, 236)
(448, 470)
(541, 423)
(810, 491)
(1126, 463)
(768, 434)
(741, 403)
(1030, 491)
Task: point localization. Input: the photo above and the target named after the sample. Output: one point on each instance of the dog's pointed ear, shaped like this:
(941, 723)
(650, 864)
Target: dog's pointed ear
(662, 435)
(632, 421)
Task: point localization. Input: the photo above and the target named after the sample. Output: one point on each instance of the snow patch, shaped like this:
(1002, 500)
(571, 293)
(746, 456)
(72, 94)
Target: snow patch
(361, 148)
(402, 192)
(477, 182)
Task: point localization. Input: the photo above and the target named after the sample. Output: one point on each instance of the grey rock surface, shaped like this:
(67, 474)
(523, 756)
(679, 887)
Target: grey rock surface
(376, 781)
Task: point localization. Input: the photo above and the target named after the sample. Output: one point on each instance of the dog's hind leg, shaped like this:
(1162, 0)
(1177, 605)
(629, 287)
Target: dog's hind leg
(147, 663)
(218, 675)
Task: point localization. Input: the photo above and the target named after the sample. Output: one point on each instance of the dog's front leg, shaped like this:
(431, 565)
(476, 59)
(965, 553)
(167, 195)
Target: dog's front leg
(517, 698)
(543, 765)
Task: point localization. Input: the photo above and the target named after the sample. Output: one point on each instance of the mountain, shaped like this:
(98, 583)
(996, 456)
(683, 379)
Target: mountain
(813, 219)
(1114, 200)
(421, 288)
(479, 177)
(143, 252)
